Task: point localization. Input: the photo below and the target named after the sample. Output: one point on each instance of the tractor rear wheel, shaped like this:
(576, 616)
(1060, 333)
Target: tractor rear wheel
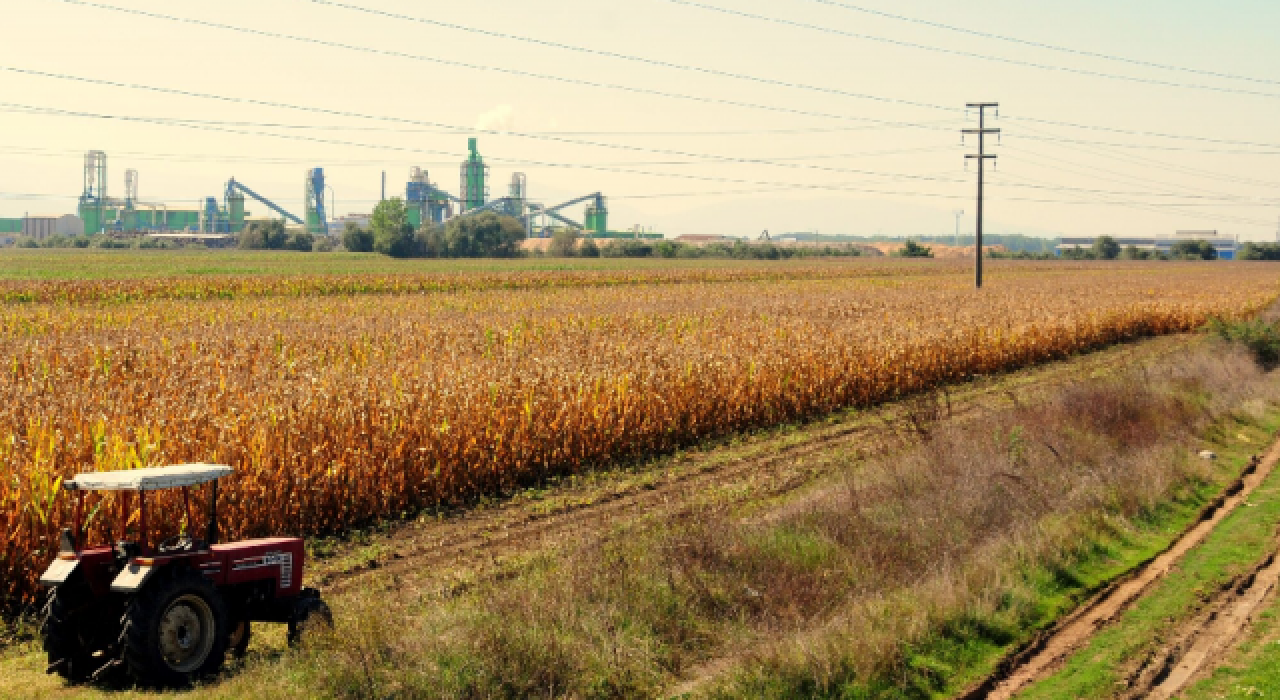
(73, 629)
(175, 630)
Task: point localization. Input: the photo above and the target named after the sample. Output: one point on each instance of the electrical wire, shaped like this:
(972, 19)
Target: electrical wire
(957, 52)
(1133, 159)
(205, 158)
(659, 93)
(710, 158)
(513, 71)
(546, 164)
(1146, 162)
(1046, 46)
(838, 187)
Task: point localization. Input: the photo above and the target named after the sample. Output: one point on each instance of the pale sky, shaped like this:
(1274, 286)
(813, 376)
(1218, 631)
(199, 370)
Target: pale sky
(890, 161)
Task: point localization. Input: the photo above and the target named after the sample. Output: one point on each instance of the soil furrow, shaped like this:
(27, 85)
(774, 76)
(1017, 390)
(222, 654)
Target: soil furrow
(1201, 644)
(1047, 653)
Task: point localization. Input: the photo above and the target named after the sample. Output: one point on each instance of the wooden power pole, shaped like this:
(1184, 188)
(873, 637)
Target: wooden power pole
(982, 157)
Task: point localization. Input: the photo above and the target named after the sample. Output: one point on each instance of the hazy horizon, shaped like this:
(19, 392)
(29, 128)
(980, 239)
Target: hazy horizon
(802, 159)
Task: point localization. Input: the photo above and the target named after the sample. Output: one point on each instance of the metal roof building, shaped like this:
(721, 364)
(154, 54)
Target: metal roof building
(1226, 246)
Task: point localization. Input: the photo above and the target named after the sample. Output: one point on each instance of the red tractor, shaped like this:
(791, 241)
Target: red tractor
(167, 613)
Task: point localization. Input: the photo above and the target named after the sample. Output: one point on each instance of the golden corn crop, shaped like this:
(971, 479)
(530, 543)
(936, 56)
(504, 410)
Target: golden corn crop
(341, 400)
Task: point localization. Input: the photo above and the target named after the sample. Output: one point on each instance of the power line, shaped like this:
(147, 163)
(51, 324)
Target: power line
(1151, 147)
(1132, 159)
(557, 165)
(834, 187)
(1135, 159)
(196, 158)
(513, 71)
(966, 54)
(1049, 47)
(708, 157)
(647, 91)
(1137, 132)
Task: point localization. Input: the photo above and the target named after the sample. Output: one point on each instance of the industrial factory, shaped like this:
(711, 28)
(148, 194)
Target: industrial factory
(100, 212)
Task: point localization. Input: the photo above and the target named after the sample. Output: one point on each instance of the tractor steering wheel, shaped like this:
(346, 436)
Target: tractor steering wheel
(177, 543)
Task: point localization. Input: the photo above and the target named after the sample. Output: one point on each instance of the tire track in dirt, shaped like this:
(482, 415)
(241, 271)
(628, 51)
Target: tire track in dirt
(1200, 645)
(1049, 651)
(476, 542)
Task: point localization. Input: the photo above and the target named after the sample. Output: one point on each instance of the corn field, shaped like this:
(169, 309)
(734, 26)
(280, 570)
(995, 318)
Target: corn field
(341, 400)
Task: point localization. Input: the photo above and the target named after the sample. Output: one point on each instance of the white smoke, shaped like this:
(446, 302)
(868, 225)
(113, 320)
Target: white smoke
(500, 118)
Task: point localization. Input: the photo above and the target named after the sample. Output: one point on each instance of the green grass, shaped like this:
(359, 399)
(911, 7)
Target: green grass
(1232, 548)
(966, 646)
(37, 264)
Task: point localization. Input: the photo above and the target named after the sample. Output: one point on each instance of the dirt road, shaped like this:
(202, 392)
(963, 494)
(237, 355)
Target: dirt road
(1182, 658)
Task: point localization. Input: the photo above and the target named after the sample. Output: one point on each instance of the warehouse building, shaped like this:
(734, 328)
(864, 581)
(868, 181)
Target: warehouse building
(1226, 246)
(41, 227)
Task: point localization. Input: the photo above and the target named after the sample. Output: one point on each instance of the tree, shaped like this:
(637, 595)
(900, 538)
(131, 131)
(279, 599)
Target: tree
(911, 249)
(300, 241)
(627, 248)
(1133, 252)
(428, 241)
(392, 233)
(564, 243)
(1193, 250)
(1106, 248)
(1260, 251)
(264, 235)
(589, 249)
(483, 235)
(356, 239)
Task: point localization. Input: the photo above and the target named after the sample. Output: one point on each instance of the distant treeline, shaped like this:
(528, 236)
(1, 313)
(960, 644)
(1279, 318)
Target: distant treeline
(571, 244)
(1013, 242)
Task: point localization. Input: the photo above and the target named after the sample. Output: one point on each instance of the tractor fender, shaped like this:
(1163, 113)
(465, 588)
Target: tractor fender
(58, 572)
(132, 577)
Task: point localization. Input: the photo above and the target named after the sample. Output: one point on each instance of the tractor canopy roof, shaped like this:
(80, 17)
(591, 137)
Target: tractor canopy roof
(149, 479)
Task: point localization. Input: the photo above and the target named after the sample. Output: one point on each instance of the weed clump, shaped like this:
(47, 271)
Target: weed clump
(1260, 337)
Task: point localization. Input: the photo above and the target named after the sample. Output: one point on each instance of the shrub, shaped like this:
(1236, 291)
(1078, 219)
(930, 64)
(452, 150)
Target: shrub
(564, 244)
(1260, 337)
(629, 248)
(483, 235)
(1193, 250)
(356, 239)
(911, 249)
(264, 235)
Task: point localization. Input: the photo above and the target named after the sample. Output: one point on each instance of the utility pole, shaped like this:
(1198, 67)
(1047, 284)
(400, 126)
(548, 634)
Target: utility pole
(959, 213)
(982, 157)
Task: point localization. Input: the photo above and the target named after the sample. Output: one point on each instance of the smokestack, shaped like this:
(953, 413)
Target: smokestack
(384, 185)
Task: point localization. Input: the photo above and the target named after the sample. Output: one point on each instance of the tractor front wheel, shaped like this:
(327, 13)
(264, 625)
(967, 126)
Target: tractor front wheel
(309, 613)
(238, 640)
(175, 630)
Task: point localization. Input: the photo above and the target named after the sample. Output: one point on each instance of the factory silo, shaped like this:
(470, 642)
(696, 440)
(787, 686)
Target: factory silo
(475, 179)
